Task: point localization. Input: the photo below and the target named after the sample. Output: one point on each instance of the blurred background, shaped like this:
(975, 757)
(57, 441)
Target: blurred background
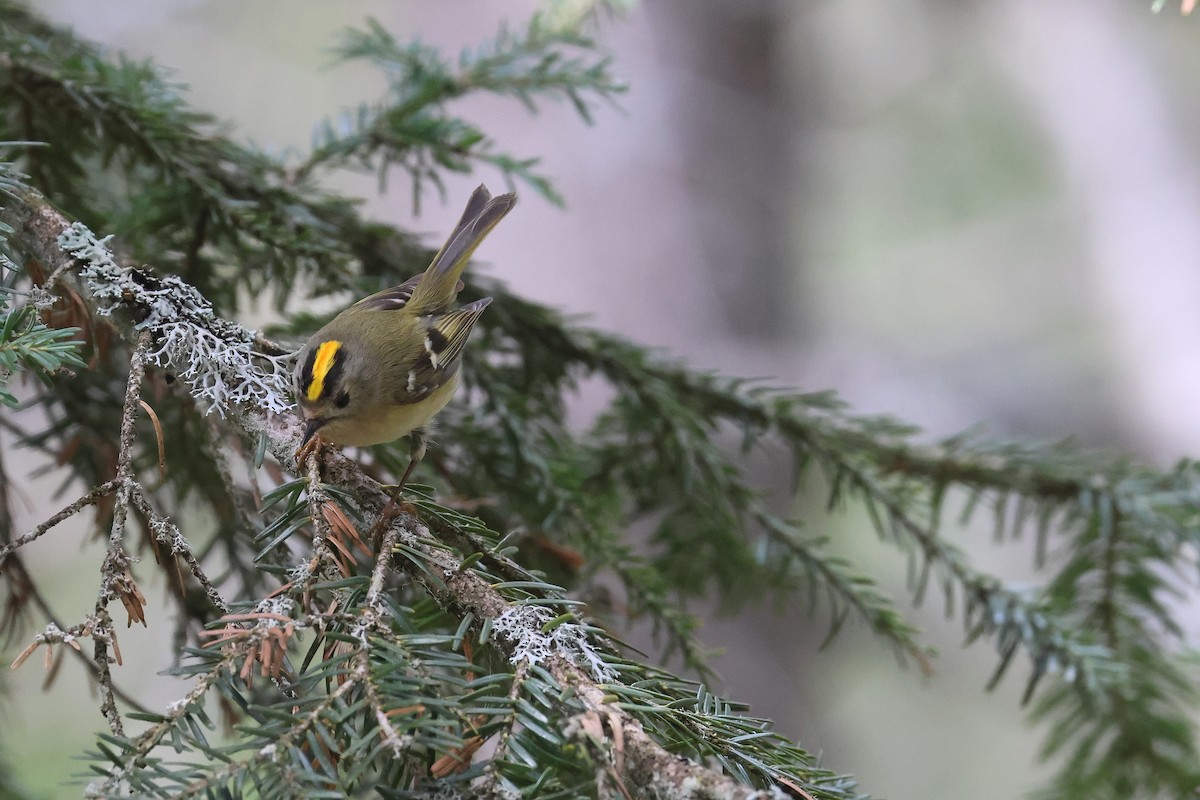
(959, 213)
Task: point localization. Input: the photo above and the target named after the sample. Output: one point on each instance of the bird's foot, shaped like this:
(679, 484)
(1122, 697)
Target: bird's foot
(307, 449)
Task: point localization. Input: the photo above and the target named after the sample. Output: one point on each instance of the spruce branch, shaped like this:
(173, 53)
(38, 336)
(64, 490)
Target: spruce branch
(411, 129)
(670, 414)
(238, 201)
(516, 617)
(26, 343)
(875, 461)
(1123, 552)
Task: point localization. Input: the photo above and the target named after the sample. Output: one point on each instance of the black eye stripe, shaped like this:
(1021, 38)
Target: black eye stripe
(306, 372)
(335, 373)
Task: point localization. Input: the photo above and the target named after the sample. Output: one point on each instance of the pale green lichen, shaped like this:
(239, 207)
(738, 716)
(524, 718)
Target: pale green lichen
(215, 357)
(522, 626)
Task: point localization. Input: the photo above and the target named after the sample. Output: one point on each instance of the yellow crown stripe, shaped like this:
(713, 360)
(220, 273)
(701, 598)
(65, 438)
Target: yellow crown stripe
(321, 366)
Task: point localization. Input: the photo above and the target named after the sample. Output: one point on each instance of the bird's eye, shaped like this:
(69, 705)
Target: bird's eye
(342, 400)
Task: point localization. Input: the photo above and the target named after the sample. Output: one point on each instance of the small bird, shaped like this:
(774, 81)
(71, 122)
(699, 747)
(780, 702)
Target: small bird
(385, 366)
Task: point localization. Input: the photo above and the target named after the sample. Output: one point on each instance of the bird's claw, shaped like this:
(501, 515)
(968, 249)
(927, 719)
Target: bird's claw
(307, 449)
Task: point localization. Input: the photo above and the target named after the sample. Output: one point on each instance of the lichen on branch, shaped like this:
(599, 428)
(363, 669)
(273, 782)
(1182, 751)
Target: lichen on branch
(217, 358)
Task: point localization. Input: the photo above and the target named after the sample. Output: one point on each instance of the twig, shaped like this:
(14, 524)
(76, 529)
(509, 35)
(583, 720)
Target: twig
(116, 563)
(74, 508)
(166, 532)
(322, 532)
(397, 742)
(382, 562)
(151, 737)
(93, 670)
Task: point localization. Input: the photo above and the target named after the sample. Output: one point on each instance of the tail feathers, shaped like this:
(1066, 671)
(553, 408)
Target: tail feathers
(475, 204)
(438, 285)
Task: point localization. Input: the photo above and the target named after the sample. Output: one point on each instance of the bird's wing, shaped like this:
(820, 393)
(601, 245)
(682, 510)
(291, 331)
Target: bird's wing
(395, 298)
(443, 347)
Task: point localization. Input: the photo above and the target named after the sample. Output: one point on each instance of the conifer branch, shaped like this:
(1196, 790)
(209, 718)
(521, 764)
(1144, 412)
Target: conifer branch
(411, 129)
(483, 640)
(525, 633)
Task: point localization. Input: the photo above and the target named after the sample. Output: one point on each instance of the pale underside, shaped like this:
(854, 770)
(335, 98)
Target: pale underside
(389, 422)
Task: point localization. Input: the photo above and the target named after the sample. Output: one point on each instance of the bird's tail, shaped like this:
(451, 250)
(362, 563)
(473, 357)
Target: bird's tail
(439, 284)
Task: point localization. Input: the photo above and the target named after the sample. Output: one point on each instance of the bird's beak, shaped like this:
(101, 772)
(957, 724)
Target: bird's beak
(311, 426)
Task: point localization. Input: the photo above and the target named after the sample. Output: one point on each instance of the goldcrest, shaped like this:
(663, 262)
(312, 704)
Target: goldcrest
(384, 367)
